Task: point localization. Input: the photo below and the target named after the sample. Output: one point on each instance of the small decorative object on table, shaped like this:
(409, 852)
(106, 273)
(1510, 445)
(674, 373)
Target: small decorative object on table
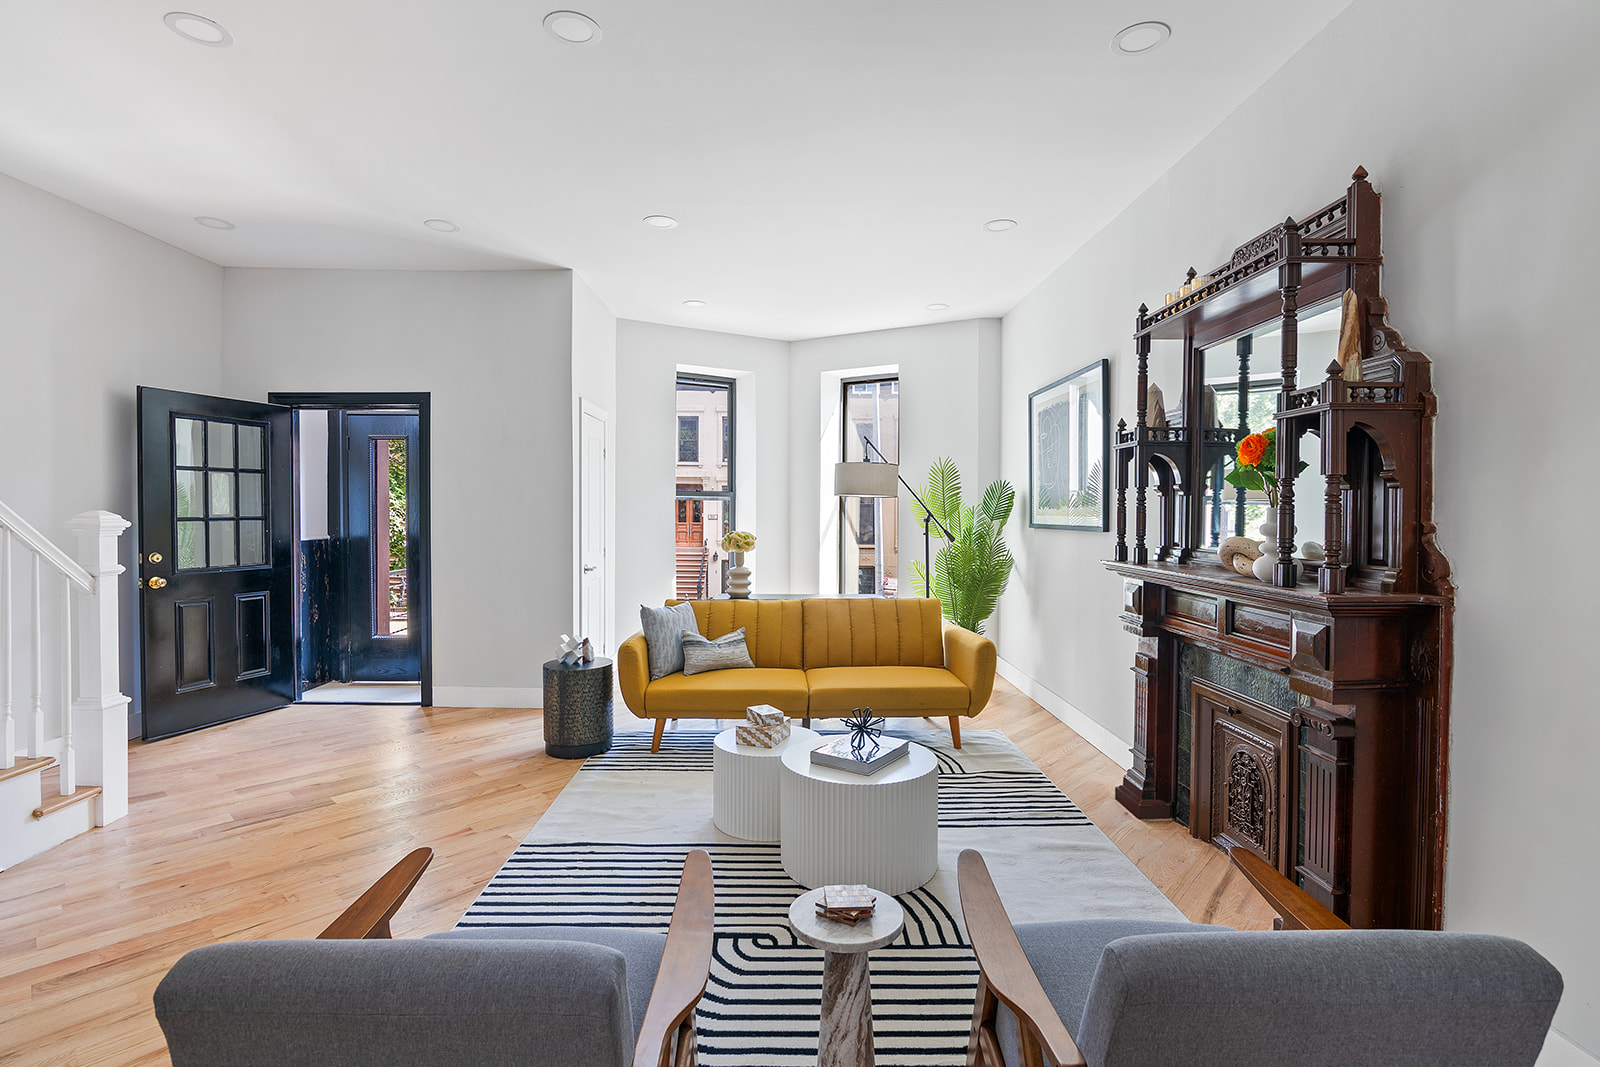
(864, 749)
(570, 651)
(847, 903)
(764, 727)
(736, 543)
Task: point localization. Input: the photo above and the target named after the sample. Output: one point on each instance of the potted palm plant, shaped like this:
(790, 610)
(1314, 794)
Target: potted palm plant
(970, 571)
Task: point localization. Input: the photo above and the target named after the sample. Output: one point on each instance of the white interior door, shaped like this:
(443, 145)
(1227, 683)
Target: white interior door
(592, 583)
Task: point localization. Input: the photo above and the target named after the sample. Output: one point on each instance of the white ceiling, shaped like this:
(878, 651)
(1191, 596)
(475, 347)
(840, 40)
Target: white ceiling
(831, 164)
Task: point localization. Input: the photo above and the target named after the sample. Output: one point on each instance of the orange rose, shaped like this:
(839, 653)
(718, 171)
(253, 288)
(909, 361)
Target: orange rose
(1251, 449)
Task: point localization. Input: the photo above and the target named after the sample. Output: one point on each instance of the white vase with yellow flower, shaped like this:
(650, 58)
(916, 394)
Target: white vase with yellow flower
(736, 543)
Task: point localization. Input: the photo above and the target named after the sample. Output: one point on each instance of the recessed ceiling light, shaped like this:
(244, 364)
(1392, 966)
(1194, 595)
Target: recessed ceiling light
(694, 303)
(938, 307)
(197, 28)
(1140, 38)
(213, 222)
(1000, 225)
(572, 27)
(442, 225)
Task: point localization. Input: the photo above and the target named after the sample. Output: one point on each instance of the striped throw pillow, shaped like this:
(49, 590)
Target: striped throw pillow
(702, 654)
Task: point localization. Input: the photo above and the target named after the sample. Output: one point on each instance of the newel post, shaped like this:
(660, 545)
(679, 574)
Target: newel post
(101, 710)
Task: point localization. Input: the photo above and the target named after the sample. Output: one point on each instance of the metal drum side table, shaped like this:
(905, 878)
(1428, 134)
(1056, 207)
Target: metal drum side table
(577, 708)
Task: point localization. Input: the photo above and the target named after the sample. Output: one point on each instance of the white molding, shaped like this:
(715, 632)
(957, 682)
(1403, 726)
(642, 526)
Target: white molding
(1116, 748)
(487, 696)
(1560, 1051)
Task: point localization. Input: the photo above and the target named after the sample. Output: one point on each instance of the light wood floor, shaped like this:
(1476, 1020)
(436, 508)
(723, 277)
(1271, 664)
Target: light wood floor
(269, 826)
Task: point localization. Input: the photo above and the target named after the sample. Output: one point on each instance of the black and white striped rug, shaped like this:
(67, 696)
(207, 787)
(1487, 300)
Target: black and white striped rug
(609, 851)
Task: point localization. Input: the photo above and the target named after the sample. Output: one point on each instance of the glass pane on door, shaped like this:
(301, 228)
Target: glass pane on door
(211, 492)
(390, 520)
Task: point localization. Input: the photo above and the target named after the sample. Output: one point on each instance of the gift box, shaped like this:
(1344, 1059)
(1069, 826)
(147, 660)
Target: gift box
(762, 736)
(764, 715)
(764, 727)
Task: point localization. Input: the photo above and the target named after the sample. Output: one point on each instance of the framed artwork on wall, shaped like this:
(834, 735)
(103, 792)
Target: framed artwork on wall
(1069, 452)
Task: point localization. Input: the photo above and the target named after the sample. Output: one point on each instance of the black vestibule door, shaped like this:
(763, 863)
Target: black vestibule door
(215, 571)
(381, 636)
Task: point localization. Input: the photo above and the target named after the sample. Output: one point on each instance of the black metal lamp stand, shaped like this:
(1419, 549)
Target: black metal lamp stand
(927, 519)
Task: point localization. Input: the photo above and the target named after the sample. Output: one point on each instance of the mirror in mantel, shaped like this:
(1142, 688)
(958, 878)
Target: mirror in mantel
(1227, 510)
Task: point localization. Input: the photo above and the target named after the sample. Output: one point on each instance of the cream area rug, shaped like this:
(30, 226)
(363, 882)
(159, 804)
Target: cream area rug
(609, 850)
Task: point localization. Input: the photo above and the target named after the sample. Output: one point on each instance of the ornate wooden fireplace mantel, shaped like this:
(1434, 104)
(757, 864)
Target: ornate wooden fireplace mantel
(1337, 777)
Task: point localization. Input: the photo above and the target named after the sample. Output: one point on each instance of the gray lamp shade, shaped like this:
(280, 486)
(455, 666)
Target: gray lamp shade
(866, 479)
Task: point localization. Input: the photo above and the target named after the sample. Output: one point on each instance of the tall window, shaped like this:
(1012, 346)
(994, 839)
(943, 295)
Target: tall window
(688, 438)
(869, 555)
(703, 504)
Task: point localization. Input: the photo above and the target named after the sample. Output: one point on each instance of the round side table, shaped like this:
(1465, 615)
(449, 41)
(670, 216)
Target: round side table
(744, 783)
(840, 828)
(845, 1036)
(577, 708)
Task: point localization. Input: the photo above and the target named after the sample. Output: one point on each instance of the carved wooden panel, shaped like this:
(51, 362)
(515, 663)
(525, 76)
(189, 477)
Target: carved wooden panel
(1260, 625)
(1309, 646)
(1201, 609)
(1239, 774)
(1245, 772)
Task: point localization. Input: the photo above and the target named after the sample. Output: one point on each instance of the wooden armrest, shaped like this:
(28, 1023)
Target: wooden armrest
(1003, 964)
(369, 916)
(685, 963)
(1300, 910)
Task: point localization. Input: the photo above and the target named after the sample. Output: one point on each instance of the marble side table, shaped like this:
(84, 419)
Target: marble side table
(845, 1038)
(744, 783)
(577, 708)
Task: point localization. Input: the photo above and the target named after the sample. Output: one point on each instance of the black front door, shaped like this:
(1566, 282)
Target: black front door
(215, 535)
(381, 632)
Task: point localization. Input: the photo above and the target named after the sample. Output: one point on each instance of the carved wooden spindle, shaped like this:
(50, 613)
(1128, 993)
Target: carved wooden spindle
(1331, 578)
(1122, 499)
(1245, 347)
(1288, 450)
(1141, 473)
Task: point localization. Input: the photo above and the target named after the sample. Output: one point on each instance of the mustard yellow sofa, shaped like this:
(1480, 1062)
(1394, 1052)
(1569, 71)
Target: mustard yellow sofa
(821, 658)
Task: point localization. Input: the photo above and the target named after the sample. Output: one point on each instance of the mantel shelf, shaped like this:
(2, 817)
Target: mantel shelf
(1210, 578)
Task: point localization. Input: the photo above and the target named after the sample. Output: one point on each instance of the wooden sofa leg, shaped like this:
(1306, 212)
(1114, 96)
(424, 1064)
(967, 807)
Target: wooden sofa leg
(955, 729)
(661, 728)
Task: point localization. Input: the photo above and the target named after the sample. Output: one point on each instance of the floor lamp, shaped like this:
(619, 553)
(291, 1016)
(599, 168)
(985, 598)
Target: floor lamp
(880, 480)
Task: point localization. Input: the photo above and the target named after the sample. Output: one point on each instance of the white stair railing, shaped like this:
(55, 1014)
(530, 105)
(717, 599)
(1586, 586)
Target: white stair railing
(90, 738)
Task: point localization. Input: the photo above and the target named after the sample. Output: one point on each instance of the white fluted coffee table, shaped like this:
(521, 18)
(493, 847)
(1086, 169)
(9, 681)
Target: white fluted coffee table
(839, 828)
(744, 783)
(845, 1035)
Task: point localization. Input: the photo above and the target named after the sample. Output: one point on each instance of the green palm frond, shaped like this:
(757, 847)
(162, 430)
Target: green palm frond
(971, 571)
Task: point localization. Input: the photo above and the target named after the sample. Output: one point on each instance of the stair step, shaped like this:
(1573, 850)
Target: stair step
(56, 802)
(27, 766)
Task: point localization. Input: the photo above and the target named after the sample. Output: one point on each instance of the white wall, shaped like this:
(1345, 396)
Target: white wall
(495, 351)
(649, 358)
(594, 379)
(89, 311)
(1474, 123)
(949, 392)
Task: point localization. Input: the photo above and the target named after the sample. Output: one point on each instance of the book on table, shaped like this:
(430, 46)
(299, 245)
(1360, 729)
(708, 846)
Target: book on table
(877, 753)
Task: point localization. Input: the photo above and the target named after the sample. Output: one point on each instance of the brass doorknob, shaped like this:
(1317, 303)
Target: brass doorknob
(158, 583)
(155, 557)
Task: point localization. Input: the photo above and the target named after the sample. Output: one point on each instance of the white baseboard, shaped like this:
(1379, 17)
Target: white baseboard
(1560, 1051)
(487, 696)
(1091, 731)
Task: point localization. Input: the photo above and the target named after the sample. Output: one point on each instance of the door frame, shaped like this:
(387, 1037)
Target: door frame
(422, 595)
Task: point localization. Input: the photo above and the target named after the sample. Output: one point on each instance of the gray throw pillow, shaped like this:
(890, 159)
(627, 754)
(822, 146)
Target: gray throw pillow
(663, 636)
(704, 654)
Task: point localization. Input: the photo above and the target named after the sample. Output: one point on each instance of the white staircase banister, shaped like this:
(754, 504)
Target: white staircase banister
(41, 547)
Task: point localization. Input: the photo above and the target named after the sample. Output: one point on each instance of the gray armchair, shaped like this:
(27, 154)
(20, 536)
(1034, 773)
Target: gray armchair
(1142, 994)
(591, 997)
